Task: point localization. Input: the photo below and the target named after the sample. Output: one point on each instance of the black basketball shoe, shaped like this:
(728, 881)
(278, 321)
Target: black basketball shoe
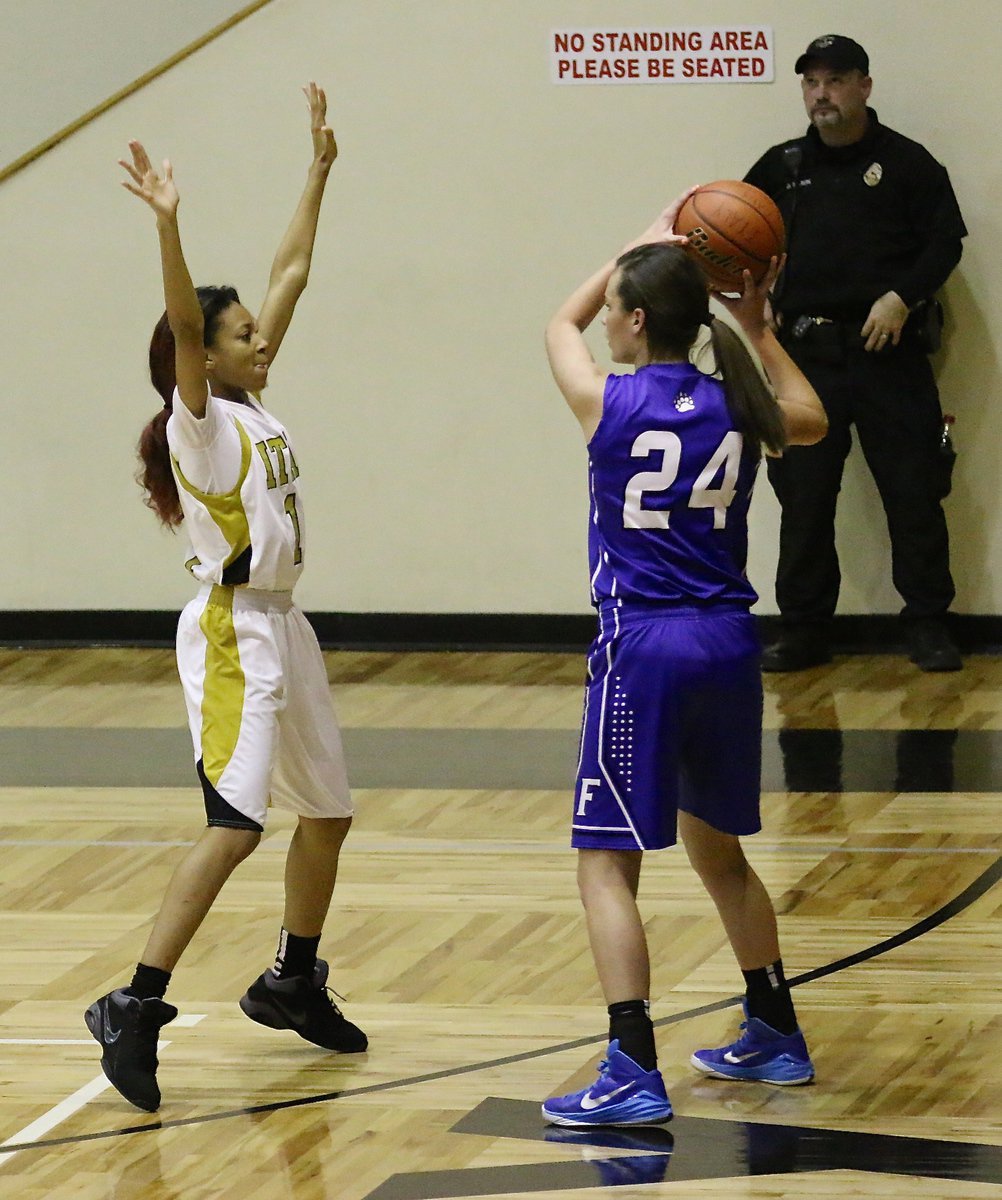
(127, 1030)
(305, 1006)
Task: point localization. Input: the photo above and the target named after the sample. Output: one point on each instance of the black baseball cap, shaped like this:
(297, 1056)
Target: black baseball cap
(834, 50)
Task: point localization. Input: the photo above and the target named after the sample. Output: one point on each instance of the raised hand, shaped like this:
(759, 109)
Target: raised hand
(324, 145)
(159, 193)
(662, 228)
(750, 309)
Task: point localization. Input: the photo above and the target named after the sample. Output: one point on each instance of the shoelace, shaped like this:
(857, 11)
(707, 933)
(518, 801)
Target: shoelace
(147, 1034)
(328, 992)
(742, 1029)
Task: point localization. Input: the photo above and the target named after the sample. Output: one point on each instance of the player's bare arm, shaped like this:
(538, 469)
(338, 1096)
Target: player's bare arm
(578, 376)
(580, 379)
(291, 267)
(183, 310)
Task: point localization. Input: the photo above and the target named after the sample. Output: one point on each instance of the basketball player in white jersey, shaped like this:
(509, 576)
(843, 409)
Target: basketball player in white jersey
(254, 681)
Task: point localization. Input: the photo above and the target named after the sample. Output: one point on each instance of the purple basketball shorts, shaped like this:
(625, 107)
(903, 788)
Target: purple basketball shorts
(672, 720)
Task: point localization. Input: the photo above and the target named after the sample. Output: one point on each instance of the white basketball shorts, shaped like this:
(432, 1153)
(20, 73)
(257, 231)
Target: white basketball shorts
(259, 708)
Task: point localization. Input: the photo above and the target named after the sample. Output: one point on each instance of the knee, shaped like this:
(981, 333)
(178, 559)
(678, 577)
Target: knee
(602, 874)
(328, 832)
(234, 845)
(726, 865)
(588, 888)
(733, 873)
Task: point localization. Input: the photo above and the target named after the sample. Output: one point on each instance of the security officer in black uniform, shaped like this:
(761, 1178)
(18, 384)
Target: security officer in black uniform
(873, 230)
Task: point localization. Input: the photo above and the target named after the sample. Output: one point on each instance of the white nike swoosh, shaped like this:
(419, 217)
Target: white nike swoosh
(736, 1058)
(108, 1035)
(590, 1102)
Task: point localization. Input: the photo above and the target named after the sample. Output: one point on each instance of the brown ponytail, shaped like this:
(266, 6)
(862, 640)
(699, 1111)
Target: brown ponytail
(155, 476)
(752, 405)
(664, 282)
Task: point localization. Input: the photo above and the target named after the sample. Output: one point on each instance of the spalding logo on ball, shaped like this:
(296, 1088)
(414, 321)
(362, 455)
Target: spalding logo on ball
(731, 226)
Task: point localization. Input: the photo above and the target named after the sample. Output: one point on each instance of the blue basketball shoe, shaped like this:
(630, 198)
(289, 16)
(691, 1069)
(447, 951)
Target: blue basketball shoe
(623, 1094)
(760, 1054)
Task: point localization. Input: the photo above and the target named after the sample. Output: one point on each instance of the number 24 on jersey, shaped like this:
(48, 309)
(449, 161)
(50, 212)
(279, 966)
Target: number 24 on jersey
(725, 461)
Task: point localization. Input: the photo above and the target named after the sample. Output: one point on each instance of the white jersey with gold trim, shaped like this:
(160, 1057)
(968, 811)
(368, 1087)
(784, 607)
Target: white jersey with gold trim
(238, 482)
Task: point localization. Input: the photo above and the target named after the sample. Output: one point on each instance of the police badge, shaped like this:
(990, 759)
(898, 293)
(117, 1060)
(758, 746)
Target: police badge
(873, 174)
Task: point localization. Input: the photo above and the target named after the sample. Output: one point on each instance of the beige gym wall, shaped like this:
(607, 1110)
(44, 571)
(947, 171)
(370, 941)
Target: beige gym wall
(441, 471)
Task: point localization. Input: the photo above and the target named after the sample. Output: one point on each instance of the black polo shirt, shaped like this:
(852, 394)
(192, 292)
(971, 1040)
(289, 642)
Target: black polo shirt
(879, 215)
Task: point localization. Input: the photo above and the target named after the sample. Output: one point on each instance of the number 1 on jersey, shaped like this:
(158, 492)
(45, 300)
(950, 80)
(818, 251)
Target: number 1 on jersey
(290, 508)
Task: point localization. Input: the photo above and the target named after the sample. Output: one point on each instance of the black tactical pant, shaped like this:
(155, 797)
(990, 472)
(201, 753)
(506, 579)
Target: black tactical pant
(892, 399)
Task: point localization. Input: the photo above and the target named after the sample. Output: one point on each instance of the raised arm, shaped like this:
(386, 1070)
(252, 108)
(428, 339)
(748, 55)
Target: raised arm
(184, 313)
(803, 414)
(291, 268)
(579, 377)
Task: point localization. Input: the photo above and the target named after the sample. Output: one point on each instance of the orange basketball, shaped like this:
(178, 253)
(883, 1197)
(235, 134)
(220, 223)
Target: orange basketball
(731, 226)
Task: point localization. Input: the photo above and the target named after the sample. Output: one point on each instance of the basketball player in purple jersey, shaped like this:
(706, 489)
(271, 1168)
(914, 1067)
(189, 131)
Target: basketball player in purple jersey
(671, 737)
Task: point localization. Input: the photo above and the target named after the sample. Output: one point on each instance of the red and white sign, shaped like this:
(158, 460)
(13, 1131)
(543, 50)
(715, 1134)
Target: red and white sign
(693, 54)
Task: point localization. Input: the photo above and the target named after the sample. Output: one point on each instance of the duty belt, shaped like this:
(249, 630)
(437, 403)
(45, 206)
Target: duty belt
(802, 326)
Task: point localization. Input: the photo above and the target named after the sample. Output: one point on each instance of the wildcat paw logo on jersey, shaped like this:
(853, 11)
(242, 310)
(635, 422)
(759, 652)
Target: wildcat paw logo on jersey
(684, 402)
(873, 174)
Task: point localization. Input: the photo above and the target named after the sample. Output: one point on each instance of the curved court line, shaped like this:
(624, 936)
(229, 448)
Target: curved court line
(981, 885)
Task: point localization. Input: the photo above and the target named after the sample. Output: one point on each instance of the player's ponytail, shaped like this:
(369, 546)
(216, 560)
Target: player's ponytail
(750, 402)
(155, 476)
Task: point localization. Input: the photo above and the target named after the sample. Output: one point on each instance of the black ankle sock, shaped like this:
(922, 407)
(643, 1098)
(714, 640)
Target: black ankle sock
(148, 983)
(296, 955)
(630, 1023)
(768, 997)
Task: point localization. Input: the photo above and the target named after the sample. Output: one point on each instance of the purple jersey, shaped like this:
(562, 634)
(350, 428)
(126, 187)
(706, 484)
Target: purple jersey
(671, 480)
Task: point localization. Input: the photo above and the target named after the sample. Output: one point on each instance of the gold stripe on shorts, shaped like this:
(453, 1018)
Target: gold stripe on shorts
(223, 694)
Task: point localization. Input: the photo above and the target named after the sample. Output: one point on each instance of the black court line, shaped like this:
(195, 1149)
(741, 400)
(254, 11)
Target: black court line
(979, 887)
(693, 1148)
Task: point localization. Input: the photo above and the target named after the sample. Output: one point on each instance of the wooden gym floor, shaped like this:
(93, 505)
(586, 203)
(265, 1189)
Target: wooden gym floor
(457, 939)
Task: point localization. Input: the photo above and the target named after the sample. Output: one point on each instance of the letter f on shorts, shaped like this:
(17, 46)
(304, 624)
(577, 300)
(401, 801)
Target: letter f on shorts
(587, 785)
